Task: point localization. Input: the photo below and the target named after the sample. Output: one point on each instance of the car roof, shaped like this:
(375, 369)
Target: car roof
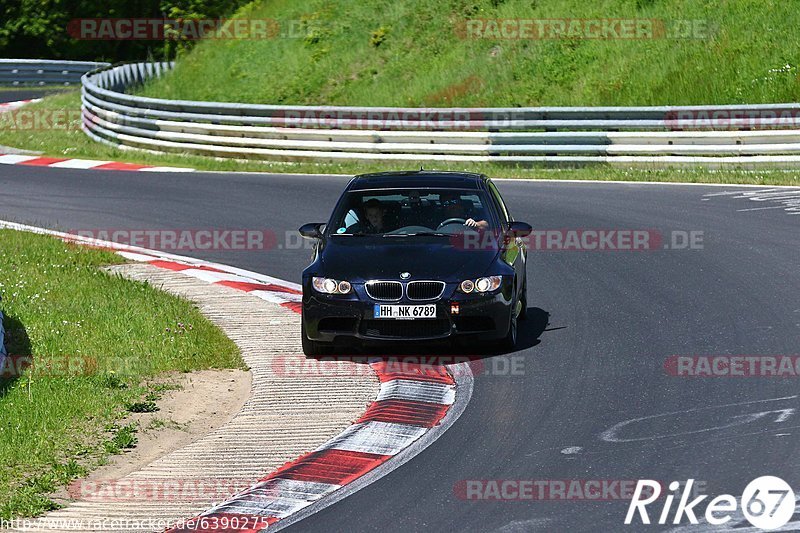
(416, 179)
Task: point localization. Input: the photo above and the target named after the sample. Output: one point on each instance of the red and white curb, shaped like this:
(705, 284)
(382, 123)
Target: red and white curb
(66, 162)
(415, 405)
(410, 405)
(10, 106)
(274, 290)
(82, 164)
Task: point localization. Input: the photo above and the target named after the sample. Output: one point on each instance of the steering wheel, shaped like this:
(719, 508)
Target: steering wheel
(451, 221)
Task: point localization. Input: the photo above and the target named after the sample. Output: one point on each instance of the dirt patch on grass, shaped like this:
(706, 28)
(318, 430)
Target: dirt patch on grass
(193, 405)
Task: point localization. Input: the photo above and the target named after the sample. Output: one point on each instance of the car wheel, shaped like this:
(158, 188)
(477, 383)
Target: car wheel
(310, 348)
(509, 343)
(523, 313)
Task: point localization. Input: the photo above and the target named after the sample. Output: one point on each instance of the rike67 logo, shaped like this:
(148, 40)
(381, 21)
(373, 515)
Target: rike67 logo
(767, 503)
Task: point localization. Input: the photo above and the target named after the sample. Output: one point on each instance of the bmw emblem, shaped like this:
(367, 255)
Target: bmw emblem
(405, 275)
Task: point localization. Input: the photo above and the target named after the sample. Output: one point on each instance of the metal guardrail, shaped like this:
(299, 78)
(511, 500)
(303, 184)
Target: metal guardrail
(44, 72)
(685, 135)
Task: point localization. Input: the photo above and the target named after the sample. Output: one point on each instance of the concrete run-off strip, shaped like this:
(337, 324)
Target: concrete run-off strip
(284, 417)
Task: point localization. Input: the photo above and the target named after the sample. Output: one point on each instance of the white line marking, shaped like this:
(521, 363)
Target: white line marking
(279, 507)
(133, 256)
(610, 435)
(78, 163)
(166, 169)
(214, 277)
(277, 296)
(291, 488)
(745, 193)
(270, 296)
(276, 497)
(422, 391)
(571, 450)
(13, 159)
(759, 208)
(788, 200)
(382, 438)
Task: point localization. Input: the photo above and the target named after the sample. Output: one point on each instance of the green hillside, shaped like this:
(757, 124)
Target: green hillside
(452, 53)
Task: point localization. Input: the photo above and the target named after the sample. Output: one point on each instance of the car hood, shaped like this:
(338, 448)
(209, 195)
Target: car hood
(361, 259)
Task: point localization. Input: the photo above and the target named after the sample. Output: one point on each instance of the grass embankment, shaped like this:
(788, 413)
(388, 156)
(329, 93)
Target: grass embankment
(99, 345)
(420, 53)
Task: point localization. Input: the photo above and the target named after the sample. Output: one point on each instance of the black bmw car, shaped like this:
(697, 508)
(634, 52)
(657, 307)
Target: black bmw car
(415, 256)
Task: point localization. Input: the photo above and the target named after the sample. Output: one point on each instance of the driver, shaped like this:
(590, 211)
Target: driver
(454, 208)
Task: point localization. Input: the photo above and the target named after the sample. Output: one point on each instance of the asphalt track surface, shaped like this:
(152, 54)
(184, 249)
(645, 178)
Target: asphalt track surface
(614, 318)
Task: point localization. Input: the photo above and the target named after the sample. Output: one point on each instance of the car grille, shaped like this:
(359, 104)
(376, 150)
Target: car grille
(384, 290)
(405, 328)
(424, 290)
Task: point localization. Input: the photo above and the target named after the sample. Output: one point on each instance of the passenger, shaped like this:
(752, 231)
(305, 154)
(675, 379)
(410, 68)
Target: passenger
(375, 215)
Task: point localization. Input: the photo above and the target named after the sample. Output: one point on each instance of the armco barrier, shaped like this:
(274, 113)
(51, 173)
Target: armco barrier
(767, 134)
(44, 71)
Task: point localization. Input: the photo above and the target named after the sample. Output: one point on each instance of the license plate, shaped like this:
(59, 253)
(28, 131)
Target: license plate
(405, 312)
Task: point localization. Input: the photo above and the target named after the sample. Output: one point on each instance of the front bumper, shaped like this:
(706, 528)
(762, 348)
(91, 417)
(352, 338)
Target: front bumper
(329, 318)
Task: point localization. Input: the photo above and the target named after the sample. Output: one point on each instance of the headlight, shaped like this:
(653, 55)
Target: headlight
(487, 284)
(343, 287)
(331, 286)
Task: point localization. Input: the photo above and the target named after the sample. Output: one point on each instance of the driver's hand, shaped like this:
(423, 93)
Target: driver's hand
(471, 223)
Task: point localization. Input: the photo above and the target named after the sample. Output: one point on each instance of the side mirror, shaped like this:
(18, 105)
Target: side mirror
(312, 230)
(519, 229)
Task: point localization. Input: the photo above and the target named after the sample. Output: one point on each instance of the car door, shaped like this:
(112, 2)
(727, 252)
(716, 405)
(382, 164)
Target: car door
(515, 251)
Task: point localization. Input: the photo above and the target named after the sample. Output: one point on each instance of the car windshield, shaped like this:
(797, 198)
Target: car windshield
(411, 212)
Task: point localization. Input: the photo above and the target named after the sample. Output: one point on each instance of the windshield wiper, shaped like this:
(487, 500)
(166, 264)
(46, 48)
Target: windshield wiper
(419, 234)
(356, 234)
